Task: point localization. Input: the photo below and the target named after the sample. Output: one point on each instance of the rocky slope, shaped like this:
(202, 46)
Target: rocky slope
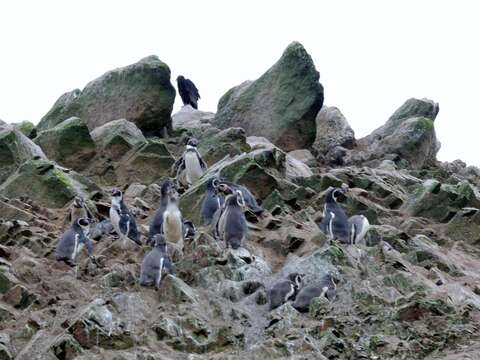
(411, 291)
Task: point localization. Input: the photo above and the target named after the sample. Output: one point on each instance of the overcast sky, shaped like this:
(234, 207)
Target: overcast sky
(371, 55)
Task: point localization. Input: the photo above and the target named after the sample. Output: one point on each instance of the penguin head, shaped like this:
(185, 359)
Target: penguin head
(159, 240)
(335, 194)
(168, 189)
(192, 143)
(213, 183)
(235, 198)
(117, 196)
(297, 279)
(78, 202)
(83, 223)
(224, 188)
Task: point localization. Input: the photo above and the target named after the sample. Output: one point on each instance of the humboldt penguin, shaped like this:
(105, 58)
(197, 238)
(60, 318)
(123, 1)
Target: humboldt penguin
(359, 227)
(78, 210)
(325, 287)
(188, 92)
(335, 222)
(250, 201)
(212, 201)
(173, 228)
(123, 220)
(284, 290)
(156, 262)
(232, 225)
(190, 167)
(167, 191)
(73, 241)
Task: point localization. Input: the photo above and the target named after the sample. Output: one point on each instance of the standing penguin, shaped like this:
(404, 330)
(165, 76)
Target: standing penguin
(73, 241)
(232, 225)
(212, 201)
(359, 227)
(167, 191)
(335, 222)
(173, 228)
(78, 210)
(122, 220)
(284, 290)
(325, 287)
(155, 263)
(190, 167)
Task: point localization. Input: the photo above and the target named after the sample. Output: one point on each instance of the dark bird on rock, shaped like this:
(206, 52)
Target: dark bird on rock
(188, 92)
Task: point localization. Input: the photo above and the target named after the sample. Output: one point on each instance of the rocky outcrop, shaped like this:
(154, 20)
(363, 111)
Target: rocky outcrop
(141, 93)
(332, 130)
(408, 136)
(281, 105)
(69, 144)
(15, 148)
(189, 118)
(27, 128)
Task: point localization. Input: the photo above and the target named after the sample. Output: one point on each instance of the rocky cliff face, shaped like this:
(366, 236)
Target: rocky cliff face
(410, 291)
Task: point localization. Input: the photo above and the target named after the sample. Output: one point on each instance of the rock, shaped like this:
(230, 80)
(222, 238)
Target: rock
(441, 201)
(15, 149)
(5, 347)
(305, 156)
(319, 307)
(465, 226)
(176, 291)
(296, 169)
(281, 105)
(332, 130)
(5, 314)
(117, 137)
(27, 128)
(68, 143)
(228, 142)
(408, 135)
(7, 279)
(19, 297)
(189, 118)
(141, 93)
(46, 184)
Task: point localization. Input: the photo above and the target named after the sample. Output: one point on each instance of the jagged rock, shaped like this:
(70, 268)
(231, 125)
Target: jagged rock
(281, 105)
(5, 314)
(176, 291)
(141, 93)
(7, 279)
(68, 143)
(46, 184)
(408, 135)
(296, 169)
(332, 130)
(11, 212)
(5, 347)
(19, 297)
(27, 128)
(15, 149)
(441, 201)
(305, 156)
(189, 118)
(228, 142)
(117, 137)
(465, 226)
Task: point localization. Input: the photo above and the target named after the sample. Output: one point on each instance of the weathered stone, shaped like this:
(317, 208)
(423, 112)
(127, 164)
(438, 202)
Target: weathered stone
(465, 226)
(189, 118)
(68, 143)
(27, 128)
(332, 130)
(19, 297)
(141, 93)
(176, 291)
(228, 142)
(281, 105)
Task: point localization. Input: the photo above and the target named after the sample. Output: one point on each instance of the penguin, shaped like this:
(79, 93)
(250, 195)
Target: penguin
(73, 241)
(190, 167)
(335, 222)
(155, 263)
(250, 201)
(172, 225)
(212, 201)
(232, 225)
(167, 190)
(325, 287)
(359, 227)
(284, 290)
(78, 210)
(123, 220)
(189, 230)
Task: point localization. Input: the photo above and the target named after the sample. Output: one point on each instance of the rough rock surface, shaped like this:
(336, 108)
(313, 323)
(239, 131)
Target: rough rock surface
(141, 93)
(69, 143)
(281, 105)
(189, 118)
(332, 130)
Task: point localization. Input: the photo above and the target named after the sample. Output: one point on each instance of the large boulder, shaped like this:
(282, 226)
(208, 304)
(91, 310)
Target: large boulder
(117, 138)
(46, 184)
(27, 128)
(281, 105)
(69, 143)
(332, 130)
(408, 135)
(141, 93)
(215, 144)
(189, 118)
(15, 148)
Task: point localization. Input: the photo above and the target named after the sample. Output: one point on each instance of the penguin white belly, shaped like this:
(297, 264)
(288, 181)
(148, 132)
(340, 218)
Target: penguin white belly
(193, 168)
(115, 219)
(222, 223)
(173, 226)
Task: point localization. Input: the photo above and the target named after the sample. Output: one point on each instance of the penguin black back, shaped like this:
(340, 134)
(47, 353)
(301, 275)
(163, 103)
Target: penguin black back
(284, 290)
(211, 201)
(166, 190)
(232, 221)
(325, 287)
(155, 263)
(250, 201)
(335, 222)
(72, 242)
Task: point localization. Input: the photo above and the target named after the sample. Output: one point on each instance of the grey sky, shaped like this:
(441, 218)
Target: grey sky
(372, 55)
